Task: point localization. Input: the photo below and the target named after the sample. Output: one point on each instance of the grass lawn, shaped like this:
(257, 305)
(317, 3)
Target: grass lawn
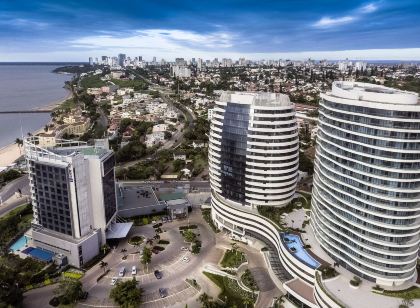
(67, 105)
(137, 84)
(232, 293)
(92, 82)
(232, 258)
(412, 293)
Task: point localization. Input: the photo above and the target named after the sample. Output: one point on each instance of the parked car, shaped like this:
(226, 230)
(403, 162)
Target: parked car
(133, 270)
(185, 259)
(121, 273)
(158, 274)
(184, 248)
(162, 292)
(114, 281)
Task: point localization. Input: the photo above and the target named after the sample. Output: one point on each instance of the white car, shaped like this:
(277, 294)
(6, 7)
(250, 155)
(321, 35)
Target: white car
(121, 272)
(184, 248)
(185, 259)
(133, 270)
(114, 281)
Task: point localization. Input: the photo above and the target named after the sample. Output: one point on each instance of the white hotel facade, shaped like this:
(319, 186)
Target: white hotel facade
(365, 200)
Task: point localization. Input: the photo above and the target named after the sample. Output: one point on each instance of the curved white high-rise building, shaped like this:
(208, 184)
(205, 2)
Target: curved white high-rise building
(366, 194)
(254, 149)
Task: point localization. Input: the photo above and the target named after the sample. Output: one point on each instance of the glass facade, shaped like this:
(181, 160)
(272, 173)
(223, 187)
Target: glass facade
(108, 186)
(52, 196)
(233, 151)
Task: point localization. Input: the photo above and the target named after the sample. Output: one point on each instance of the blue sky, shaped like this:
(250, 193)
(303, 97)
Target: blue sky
(41, 30)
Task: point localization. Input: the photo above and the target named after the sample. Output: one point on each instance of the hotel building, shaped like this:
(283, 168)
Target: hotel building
(73, 197)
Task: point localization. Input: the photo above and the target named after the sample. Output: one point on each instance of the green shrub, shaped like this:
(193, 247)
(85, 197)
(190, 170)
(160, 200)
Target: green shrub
(72, 275)
(356, 281)
(136, 240)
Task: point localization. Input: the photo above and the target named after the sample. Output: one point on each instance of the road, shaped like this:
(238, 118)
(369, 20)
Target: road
(9, 200)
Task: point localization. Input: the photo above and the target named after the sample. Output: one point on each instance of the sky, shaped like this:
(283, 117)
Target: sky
(70, 30)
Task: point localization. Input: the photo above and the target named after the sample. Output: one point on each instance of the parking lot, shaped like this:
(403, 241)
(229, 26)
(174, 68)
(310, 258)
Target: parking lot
(169, 262)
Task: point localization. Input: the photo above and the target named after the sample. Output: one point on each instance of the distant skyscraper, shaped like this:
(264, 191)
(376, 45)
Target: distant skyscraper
(73, 197)
(90, 61)
(154, 60)
(140, 58)
(121, 59)
(365, 199)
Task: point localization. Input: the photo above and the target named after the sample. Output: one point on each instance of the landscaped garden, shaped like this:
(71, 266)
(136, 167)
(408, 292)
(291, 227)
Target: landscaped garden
(411, 293)
(207, 217)
(231, 293)
(233, 258)
(248, 280)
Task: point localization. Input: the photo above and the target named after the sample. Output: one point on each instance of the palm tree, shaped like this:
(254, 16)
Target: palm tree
(247, 301)
(205, 300)
(19, 142)
(103, 265)
(123, 251)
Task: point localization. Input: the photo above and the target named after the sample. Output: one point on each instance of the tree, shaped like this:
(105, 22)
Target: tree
(305, 164)
(406, 302)
(69, 290)
(189, 235)
(147, 255)
(103, 265)
(247, 300)
(19, 142)
(205, 300)
(178, 164)
(126, 294)
(10, 292)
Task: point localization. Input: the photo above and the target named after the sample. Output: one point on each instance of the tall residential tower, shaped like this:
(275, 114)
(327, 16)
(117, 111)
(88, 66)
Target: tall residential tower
(253, 155)
(366, 194)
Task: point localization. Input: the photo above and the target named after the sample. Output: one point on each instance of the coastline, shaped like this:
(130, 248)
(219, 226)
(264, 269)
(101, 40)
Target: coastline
(11, 152)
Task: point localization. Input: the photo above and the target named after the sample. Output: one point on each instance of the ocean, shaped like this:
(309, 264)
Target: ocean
(26, 87)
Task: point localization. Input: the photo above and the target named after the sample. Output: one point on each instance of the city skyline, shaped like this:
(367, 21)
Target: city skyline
(367, 30)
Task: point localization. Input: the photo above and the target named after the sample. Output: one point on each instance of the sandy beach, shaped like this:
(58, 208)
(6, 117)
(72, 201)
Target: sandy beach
(12, 152)
(9, 154)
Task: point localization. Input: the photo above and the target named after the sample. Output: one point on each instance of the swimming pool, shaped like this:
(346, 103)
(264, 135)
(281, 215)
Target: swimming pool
(294, 242)
(40, 254)
(19, 244)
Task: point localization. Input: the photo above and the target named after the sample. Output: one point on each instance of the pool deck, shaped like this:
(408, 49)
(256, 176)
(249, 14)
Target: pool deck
(302, 254)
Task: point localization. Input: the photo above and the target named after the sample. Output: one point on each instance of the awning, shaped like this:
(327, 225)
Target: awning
(118, 230)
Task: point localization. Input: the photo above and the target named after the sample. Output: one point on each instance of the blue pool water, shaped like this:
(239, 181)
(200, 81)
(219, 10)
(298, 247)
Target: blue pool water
(40, 254)
(19, 244)
(294, 241)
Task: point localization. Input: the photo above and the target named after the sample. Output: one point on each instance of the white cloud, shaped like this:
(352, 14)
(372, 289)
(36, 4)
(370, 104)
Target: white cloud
(369, 8)
(23, 23)
(159, 40)
(330, 22)
(327, 22)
